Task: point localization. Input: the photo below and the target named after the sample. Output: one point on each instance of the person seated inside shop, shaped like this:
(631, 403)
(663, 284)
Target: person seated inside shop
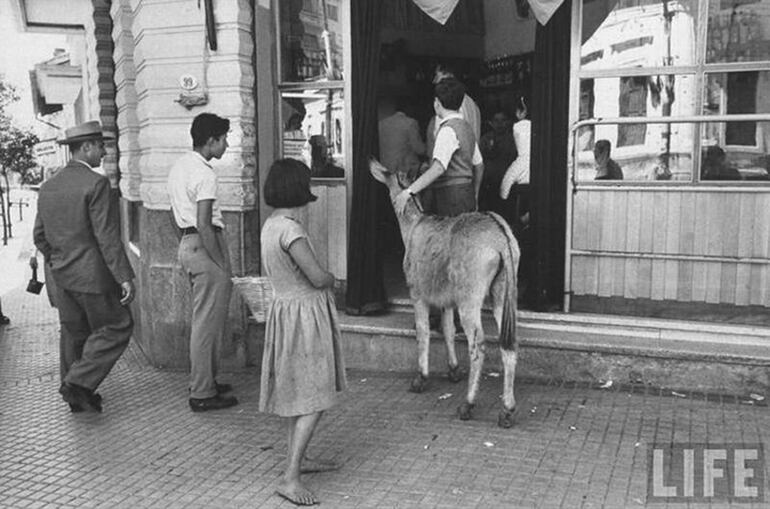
(606, 167)
(716, 167)
(322, 166)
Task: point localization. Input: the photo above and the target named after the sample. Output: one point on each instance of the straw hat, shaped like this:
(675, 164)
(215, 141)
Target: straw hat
(86, 131)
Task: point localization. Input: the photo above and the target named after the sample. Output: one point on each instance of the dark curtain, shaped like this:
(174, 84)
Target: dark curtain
(550, 131)
(366, 290)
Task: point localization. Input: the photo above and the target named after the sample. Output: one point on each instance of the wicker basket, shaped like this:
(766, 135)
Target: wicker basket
(258, 293)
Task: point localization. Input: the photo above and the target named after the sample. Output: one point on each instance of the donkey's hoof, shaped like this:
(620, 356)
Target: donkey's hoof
(419, 382)
(455, 374)
(465, 411)
(505, 418)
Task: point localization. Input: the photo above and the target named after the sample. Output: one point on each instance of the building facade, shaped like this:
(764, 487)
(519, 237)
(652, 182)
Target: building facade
(282, 72)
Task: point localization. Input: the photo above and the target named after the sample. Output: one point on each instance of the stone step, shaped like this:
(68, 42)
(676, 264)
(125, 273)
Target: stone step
(687, 355)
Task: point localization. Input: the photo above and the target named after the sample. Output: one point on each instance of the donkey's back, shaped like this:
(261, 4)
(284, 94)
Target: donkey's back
(454, 260)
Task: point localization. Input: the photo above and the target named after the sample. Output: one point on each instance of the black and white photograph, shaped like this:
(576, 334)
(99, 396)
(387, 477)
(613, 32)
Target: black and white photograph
(380, 254)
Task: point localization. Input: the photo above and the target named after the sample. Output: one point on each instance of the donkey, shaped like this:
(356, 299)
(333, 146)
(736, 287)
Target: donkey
(454, 262)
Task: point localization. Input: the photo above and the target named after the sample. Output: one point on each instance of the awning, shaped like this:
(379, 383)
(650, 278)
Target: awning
(441, 10)
(54, 86)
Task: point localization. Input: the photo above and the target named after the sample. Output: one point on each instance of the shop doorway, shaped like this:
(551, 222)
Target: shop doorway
(487, 44)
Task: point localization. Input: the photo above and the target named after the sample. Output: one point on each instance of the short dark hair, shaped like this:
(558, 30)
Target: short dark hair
(207, 125)
(288, 184)
(450, 93)
(602, 147)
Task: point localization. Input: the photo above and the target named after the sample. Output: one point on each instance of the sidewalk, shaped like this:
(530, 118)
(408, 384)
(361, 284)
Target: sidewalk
(572, 445)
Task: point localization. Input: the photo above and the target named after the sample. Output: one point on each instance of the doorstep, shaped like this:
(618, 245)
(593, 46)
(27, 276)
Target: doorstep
(685, 355)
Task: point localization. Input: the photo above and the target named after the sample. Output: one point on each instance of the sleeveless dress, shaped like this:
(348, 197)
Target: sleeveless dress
(302, 367)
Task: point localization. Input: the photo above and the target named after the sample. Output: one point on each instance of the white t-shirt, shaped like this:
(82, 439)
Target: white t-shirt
(447, 143)
(192, 179)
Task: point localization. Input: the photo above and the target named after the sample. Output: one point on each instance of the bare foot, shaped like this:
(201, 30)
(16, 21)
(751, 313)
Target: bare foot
(310, 465)
(295, 493)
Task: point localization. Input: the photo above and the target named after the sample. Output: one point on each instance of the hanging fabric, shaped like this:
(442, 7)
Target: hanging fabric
(441, 10)
(544, 9)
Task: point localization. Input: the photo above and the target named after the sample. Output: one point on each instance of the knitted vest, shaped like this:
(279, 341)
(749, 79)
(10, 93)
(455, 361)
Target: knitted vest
(460, 170)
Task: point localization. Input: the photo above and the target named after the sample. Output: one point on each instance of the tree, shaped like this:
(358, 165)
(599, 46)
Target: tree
(16, 153)
(16, 144)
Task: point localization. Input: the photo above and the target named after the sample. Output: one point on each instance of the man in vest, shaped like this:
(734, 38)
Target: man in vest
(456, 168)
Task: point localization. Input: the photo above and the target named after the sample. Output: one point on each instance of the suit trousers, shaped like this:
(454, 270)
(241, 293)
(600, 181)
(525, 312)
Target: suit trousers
(95, 330)
(211, 289)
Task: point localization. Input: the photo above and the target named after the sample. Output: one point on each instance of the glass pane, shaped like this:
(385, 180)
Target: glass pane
(311, 40)
(643, 151)
(737, 31)
(313, 130)
(736, 150)
(667, 154)
(638, 33)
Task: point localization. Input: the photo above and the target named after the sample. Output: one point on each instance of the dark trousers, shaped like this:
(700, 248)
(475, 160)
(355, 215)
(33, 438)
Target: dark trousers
(453, 200)
(95, 330)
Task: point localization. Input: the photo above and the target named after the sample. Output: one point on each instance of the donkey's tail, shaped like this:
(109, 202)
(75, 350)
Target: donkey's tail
(510, 257)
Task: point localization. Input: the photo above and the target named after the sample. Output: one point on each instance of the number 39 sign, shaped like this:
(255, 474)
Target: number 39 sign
(188, 82)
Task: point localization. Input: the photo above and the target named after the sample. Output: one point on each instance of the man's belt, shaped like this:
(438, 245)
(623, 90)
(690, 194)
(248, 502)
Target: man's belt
(191, 229)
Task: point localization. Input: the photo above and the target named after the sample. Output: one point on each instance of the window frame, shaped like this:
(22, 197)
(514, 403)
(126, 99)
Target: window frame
(699, 71)
(342, 86)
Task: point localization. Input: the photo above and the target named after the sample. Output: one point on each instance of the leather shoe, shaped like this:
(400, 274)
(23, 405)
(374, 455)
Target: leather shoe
(223, 388)
(80, 398)
(213, 403)
(76, 408)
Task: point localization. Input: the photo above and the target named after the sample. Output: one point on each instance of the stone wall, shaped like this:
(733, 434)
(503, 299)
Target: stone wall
(157, 42)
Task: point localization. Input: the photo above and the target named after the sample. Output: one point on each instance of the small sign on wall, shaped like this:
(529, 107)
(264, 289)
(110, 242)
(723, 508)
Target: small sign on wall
(191, 94)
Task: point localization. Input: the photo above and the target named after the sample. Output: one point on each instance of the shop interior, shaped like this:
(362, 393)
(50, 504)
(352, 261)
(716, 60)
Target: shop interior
(488, 44)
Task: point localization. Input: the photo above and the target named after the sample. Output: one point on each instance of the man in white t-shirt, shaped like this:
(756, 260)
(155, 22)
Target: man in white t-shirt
(192, 189)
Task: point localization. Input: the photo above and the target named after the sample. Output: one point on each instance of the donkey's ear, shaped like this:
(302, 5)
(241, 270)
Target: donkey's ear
(378, 171)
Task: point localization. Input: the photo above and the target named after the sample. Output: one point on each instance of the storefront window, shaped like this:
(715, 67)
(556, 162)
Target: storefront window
(312, 130)
(312, 110)
(310, 41)
(640, 58)
(638, 33)
(654, 151)
(737, 31)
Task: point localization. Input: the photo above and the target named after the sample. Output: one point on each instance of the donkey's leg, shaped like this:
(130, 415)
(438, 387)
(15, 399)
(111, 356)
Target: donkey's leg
(470, 316)
(498, 299)
(423, 344)
(448, 328)
(505, 419)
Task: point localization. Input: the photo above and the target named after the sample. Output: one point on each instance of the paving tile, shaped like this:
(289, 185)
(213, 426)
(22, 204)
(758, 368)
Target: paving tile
(573, 445)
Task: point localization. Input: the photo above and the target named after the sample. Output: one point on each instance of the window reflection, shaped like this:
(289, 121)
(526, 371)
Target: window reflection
(311, 40)
(666, 154)
(632, 33)
(645, 151)
(736, 150)
(738, 31)
(312, 130)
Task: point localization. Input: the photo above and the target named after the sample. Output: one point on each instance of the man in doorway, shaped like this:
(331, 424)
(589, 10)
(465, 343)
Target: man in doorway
(192, 189)
(78, 232)
(456, 167)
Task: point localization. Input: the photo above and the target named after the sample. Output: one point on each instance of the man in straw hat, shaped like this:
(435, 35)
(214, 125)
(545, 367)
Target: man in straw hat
(78, 232)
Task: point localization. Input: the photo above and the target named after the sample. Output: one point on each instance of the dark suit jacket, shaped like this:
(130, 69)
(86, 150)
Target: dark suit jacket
(78, 230)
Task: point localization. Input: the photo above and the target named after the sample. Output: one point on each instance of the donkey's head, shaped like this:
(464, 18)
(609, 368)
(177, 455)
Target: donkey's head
(395, 182)
(391, 179)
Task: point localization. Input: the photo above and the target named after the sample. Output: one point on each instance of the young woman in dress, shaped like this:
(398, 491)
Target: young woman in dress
(302, 368)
